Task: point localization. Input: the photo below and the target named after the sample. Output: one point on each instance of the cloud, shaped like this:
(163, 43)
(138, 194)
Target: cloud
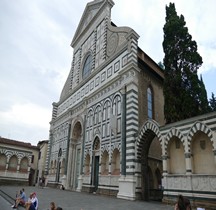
(28, 115)
(25, 122)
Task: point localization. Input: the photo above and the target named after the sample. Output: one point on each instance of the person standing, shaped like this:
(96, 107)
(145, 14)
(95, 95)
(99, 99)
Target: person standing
(43, 182)
(40, 182)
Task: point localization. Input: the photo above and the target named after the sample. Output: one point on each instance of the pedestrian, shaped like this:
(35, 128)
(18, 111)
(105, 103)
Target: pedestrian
(182, 203)
(43, 182)
(40, 182)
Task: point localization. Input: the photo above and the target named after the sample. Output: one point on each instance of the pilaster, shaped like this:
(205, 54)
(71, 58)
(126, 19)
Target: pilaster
(188, 163)
(127, 187)
(165, 169)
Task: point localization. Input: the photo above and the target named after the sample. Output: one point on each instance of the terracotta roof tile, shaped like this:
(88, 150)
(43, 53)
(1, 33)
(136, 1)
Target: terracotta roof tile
(16, 143)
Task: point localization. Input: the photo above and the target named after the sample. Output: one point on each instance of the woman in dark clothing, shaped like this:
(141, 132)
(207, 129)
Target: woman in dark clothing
(182, 203)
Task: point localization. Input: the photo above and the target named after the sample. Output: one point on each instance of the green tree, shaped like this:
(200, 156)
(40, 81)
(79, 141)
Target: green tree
(212, 102)
(204, 104)
(160, 64)
(182, 87)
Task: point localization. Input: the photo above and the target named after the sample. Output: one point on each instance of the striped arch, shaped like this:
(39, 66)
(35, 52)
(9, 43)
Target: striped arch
(19, 155)
(148, 126)
(173, 132)
(10, 153)
(115, 146)
(199, 126)
(104, 148)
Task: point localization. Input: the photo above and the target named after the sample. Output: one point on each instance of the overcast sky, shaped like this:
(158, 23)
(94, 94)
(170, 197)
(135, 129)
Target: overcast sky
(35, 52)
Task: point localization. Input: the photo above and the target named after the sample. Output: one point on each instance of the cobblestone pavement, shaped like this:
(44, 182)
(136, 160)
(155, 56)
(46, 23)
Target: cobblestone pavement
(69, 200)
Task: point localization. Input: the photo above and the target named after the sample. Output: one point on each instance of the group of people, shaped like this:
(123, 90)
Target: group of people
(32, 203)
(29, 204)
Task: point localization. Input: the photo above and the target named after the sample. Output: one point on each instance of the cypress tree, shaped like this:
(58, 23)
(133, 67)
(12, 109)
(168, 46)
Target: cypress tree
(182, 86)
(212, 102)
(204, 104)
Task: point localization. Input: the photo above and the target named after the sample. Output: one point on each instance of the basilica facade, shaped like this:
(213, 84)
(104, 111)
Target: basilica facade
(108, 133)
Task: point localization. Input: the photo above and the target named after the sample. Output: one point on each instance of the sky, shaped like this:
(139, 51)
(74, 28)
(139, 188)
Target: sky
(36, 56)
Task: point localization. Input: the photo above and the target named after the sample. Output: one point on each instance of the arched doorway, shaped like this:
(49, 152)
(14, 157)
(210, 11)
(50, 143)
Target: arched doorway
(149, 156)
(95, 164)
(75, 150)
(31, 177)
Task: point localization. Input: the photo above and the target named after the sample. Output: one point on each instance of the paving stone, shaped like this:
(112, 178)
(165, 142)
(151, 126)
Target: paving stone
(70, 200)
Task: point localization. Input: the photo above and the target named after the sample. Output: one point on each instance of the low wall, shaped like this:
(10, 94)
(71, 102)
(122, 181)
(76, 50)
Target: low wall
(200, 189)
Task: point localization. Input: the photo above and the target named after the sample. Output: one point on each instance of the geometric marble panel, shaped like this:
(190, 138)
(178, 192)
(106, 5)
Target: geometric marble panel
(116, 66)
(92, 85)
(124, 60)
(97, 80)
(103, 76)
(109, 72)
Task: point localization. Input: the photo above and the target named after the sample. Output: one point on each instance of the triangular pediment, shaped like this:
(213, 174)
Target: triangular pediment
(91, 10)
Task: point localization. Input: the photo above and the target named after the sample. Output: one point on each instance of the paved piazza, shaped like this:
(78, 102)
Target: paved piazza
(69, 200)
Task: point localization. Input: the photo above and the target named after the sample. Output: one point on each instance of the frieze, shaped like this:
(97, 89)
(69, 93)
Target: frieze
(212, 181)
(204, 183)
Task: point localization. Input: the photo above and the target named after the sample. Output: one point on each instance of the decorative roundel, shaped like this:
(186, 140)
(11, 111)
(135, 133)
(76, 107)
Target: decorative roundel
(112, 44)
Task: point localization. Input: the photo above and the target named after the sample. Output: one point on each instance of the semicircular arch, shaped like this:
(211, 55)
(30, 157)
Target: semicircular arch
(173, 132)
(199, 126)
(150, 126)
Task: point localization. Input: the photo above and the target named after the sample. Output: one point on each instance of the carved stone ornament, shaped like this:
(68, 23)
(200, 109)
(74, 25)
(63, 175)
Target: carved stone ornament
(112, 44)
